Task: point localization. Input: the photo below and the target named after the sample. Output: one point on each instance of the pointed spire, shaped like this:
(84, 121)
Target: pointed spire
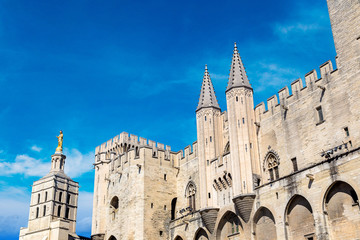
(237, 76)
(207, 93)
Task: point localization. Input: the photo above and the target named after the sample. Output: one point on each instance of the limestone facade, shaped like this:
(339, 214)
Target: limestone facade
(287, 169)
(53, 205)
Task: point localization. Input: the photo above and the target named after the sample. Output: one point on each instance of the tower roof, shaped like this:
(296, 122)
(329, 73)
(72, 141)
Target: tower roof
(237, 77)
(207, 93)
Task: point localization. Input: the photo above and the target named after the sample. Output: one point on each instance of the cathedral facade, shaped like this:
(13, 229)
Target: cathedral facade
(284, 169)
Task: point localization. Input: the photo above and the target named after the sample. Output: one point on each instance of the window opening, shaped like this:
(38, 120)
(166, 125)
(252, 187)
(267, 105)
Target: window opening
(190, 192)
(68, 198)
(44, 211)
(347, 133)
(272, 166)
(210, 139)
(320, 114)
(39, 198)
(59, 211)
(46, 196)
(37, 212)
(165, 177)
(67, 212)
(295, 166)
(60, 196)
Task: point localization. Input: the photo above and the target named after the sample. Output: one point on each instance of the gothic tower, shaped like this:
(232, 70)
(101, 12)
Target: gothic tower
(242, 132)
(53, 204)
(208, 135)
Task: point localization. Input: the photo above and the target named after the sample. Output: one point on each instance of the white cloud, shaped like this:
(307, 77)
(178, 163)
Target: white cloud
(274, 76)
(36, 148)
(76, 164)
(14, 209)
(24, 164)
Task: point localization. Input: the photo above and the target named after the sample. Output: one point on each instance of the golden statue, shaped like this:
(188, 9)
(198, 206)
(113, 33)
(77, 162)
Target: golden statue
(60, 142)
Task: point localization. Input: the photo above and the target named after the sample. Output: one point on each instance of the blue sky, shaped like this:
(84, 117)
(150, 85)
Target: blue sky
(97, 68)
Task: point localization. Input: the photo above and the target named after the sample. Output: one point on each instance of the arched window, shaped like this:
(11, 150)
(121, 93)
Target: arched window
(272, 165)
(190, 194)
(114, 202)
(173, 208)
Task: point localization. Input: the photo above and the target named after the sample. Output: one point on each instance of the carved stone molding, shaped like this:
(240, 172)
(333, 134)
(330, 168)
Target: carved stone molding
(244, 204)
(208, 216)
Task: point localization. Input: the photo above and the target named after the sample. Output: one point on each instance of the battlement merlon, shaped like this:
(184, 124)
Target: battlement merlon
(126, 142)
(298, 90)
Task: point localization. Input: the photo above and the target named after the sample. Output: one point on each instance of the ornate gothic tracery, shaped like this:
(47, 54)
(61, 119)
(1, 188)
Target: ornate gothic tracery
(271, 164)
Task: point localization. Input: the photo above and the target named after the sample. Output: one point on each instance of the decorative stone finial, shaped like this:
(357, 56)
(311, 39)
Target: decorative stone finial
(60, 143)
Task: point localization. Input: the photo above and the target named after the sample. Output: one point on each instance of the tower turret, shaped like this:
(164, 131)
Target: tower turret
(242, 134)
(208, 134)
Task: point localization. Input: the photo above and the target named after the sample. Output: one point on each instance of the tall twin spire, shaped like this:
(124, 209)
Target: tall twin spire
(207, 93)
(237, 78)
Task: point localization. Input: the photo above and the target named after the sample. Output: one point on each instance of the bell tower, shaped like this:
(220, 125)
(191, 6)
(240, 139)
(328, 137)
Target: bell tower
(53, 204)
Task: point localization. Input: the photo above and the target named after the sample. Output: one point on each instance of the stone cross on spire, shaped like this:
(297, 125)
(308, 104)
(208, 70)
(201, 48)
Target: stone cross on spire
(237, 76)
(207, 93)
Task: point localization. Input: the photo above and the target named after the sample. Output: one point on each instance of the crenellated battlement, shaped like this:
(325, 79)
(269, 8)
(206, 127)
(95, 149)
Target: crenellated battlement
(131, 144)
(282, 101)
(129, 141)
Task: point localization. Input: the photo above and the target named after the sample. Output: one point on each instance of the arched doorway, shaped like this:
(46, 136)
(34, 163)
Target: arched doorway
(299, 219)
(178, 238)
(229, 227)
(201, 235)
(342, 208)
(112, 238)
(264, 225)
